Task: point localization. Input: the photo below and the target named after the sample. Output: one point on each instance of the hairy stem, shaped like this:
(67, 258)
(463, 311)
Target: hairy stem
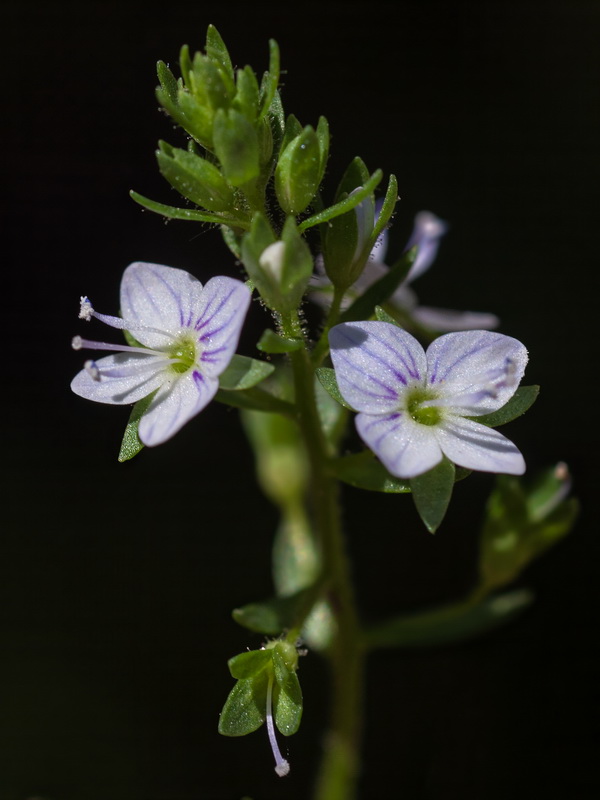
(341, 759)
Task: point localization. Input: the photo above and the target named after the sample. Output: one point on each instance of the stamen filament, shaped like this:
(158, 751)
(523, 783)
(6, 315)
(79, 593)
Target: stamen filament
(87, 311)
(77, 343)
(282, 767)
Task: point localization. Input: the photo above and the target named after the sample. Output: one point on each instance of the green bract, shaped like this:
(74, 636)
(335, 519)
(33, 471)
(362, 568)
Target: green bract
(301, 165)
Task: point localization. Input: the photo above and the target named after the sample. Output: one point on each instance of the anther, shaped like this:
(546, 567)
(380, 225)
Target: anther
(86, 310)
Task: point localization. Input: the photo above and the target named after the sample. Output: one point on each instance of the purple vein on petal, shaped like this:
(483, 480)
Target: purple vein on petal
(391, 393)
(414, 373)
(449, 367)
(208, 315)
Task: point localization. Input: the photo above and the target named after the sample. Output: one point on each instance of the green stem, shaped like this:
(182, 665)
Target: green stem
(341, 759)
(322, 347)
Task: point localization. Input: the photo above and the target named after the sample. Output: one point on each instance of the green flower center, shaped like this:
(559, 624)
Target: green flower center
(184, 355)
(423, 414)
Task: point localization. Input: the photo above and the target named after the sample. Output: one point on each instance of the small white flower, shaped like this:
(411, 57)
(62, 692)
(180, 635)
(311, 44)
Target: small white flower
(187, 335)
(415, 405)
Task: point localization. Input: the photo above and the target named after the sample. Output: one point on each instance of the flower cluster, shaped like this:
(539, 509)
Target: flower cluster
(185, 334)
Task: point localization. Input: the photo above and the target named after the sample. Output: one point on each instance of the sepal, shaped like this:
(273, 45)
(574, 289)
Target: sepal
(519, 403)
(131, 444)
(249, 664)
(432, 491)
(244, 372)
(328, 380)
(245, 708)
(271, 342)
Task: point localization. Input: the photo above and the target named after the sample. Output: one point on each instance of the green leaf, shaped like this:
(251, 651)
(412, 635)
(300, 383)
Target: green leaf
(167, 81)
(189, 214)
(254, 399)
(328, 381)
(387, 209)
(298, 172)
(195, 178)
(245, 708)
(356, 175)
(268, 87)
(246, 99)
(323, 138)
(345, 205)
(217, 51)
(243, 373)
(363, 471)
(131, 444)
(271, 342)
(449, 624)
(236, 146)
(377, 293)
(277, 614)
(249, 664)
(519, 403)
(432, 492)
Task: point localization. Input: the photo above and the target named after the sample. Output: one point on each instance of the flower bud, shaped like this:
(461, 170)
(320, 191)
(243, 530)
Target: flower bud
(280, 269)
(298, 172)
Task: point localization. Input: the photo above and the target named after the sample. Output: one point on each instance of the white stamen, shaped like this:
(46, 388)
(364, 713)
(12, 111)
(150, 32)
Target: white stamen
(282, 767)
(92, 369)
(86, 310)
(77, 343)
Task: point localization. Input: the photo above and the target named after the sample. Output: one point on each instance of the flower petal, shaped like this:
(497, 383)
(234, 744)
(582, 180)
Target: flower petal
(474, 446)
(219, 319)
(476, 371)
(157, 302)
(174, 405)
(447, 319)
(405, 448)
(374, 362)
(124, 378)
(426, 235)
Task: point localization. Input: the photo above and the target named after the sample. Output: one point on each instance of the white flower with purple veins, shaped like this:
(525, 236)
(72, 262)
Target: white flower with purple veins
(426, 236)
(415, 406)
(187, 335)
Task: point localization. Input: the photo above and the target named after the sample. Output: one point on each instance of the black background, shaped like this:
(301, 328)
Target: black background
(117, 581)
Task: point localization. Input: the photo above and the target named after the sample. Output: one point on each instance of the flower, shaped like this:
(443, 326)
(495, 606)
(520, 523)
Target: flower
(187, 336)
(416, 406)
(426, 236)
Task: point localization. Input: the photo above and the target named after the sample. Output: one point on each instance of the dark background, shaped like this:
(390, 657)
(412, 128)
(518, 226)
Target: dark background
(117, 581)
